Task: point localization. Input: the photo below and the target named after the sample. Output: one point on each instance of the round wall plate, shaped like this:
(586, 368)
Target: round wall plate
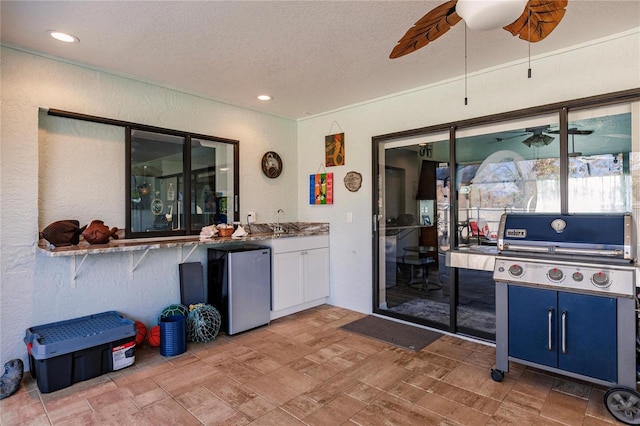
(271, 165)
(353, 181)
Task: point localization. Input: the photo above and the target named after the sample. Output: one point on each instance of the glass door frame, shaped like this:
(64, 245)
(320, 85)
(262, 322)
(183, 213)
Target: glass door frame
(425, 135)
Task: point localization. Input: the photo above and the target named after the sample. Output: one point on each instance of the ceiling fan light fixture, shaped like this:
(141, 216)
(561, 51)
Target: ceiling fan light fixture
(538, 140)
(483, 15)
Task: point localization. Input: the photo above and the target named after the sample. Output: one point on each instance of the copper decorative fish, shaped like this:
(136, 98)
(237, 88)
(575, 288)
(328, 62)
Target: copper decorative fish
(99, 233)
(63, 232)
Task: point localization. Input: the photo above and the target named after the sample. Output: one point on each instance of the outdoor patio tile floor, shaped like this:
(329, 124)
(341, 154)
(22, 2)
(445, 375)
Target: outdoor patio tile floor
(304, 370)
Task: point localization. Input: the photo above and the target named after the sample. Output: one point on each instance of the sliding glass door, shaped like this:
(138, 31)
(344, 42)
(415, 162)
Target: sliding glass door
(442, 191)
(414, 230)
(510, 167)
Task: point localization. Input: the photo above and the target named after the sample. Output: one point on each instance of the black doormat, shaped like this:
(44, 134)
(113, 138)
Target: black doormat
(392, 332)
(468, 316)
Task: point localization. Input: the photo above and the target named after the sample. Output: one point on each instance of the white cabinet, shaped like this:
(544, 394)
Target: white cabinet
(316, 273)
(286, 285)
(300, 268)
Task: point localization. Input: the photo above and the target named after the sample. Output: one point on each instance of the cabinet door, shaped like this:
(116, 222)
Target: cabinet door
(316, 274)
(287, 280)
(532, 325)
(589, 335)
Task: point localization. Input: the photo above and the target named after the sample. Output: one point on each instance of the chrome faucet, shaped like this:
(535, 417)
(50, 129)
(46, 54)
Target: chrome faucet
(278, 227)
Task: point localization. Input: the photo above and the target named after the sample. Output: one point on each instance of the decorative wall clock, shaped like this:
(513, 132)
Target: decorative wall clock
(271, 165)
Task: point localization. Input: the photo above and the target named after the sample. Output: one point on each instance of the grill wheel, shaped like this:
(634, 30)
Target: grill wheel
(623, 404)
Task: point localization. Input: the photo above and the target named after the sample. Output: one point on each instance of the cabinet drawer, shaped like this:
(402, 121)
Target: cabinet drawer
(284, 245)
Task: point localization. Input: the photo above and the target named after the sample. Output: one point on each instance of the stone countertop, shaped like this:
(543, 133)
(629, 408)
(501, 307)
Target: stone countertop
(257, 232)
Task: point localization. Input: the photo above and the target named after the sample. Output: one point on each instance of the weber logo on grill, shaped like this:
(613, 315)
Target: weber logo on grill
(516, 233)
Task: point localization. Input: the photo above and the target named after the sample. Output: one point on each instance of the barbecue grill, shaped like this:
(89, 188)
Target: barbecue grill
(566, 301)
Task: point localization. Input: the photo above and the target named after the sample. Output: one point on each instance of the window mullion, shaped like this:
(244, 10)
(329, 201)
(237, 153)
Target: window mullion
(187, 185)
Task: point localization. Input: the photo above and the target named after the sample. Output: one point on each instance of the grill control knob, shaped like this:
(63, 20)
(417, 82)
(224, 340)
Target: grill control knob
(555, 274)
(515, 270)
(600, 279)
(577, 276)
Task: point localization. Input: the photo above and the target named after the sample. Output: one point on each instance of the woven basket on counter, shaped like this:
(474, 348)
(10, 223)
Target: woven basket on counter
(226, 232)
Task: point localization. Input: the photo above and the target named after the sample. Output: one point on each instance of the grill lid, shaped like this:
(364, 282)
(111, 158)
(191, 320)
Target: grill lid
(608, 235)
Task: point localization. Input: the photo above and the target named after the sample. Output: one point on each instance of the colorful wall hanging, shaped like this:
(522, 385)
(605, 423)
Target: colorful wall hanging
(321, 188)
(334, 150)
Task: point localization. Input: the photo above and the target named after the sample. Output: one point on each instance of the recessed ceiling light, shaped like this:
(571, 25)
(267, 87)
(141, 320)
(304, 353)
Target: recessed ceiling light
(67, 38)
(264, 97)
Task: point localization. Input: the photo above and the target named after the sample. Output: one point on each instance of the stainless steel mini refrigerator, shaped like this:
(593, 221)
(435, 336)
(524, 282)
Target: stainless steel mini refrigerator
(240, 286)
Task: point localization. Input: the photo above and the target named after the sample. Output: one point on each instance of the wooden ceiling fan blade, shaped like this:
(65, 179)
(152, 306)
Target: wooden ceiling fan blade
(431, 26)
(545, 15)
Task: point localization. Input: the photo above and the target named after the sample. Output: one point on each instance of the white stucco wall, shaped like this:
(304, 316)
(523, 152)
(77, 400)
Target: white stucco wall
(36, 289)
(605, 66)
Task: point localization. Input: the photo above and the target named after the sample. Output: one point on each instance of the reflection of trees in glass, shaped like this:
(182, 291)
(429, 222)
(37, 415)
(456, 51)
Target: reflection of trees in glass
(547, 168)
(504, 180)
(599, 183)
(597, 165)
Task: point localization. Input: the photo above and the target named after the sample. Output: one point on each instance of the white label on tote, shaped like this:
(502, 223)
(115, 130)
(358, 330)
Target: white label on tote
(124, 355)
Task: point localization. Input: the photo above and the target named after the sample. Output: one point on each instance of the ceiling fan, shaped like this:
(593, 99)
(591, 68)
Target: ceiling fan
(531, 20)
(538, 138)
(573, 131)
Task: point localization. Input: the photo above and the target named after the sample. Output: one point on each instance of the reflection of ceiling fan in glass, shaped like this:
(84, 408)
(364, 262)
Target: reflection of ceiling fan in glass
(538, 138)
(541, 136)
(573, 132)
(499, 139)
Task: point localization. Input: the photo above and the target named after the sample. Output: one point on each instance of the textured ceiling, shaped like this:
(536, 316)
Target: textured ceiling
(311, 56)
